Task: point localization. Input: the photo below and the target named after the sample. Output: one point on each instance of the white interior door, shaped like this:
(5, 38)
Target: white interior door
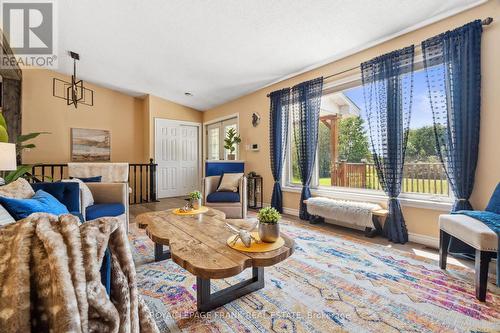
(177, 156)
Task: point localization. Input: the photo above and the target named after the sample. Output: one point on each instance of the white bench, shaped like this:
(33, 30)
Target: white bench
(377, 215)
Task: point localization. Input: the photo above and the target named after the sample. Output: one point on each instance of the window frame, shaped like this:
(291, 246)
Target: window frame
(221, 123)
(419, 200)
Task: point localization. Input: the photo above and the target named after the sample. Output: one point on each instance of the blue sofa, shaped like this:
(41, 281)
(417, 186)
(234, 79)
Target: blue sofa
(68, 193)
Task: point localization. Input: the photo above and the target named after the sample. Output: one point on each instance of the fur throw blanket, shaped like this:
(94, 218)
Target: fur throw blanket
(50, 279)
(352, 212)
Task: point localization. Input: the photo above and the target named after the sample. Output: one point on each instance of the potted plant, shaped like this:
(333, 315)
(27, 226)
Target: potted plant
(195, 199)
(21, 144)
(232, 139)
(269, 228)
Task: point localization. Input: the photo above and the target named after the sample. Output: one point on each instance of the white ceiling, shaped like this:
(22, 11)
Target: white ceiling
(222, 49)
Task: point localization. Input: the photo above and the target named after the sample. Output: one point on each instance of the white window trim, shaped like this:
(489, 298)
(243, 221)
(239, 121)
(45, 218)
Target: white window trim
(219, 120)
(416, 200)
(407, 199)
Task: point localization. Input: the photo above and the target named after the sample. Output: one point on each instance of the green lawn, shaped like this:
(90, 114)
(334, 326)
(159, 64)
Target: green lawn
(409, 185)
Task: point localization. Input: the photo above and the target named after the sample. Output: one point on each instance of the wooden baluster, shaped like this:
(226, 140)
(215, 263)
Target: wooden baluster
(412, 171)
(152, 180)
(128, 181)
(434, 173)
(343, 165)
(140, 169)
(147, 183)
(135, 183)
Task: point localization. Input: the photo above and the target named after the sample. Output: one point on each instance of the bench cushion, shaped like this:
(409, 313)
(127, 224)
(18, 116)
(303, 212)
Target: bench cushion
(223, 197)
(469, 230)
(104, 210)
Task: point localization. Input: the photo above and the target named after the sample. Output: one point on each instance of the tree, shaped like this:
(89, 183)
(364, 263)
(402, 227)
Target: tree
(353, 141)
(324, 158)
(421, 145)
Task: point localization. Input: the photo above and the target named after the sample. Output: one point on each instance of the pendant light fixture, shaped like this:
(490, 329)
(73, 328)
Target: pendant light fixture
(73, 92)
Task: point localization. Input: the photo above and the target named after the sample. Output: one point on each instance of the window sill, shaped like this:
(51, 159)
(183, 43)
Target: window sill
(406, 199)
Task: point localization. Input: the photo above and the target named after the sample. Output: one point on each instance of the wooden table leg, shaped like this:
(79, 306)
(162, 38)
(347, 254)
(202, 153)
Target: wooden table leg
(208, 301)
(161, 254)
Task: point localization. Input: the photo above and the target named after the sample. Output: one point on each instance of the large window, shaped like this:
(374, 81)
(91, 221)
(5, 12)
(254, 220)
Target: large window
(344, 159)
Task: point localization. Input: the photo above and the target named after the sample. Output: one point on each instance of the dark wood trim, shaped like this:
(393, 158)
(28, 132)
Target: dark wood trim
(160, 253)
(444, 242)
(482, 262)
(316, 219)
(206, 301)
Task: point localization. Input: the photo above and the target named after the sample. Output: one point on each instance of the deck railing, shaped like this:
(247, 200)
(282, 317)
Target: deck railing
(426, 178)
(141, 178)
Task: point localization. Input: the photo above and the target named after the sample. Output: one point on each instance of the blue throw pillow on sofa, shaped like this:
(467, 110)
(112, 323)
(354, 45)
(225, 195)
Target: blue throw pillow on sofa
(41, 202)
(96, 179)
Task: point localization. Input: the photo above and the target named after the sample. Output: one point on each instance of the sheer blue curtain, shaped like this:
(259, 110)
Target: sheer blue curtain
(306, 102)
(278, 125)
(388, 89)
(453, 66)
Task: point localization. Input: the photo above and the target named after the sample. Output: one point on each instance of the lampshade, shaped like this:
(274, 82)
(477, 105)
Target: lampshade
(7, 156)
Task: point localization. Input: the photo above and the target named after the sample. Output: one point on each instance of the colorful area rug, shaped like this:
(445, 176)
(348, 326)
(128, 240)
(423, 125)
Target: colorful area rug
(331, 283)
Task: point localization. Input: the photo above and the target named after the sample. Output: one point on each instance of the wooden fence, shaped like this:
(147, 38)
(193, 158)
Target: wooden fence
(427, 178)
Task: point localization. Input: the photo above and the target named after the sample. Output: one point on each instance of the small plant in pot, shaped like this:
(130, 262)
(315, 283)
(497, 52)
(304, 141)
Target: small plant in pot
(232, 139)
(195, 199)
(269, 228)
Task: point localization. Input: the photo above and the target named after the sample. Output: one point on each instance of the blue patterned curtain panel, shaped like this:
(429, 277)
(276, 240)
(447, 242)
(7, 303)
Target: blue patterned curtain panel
(453, 67)
(388, 88)
(278, 126)
(306, 102)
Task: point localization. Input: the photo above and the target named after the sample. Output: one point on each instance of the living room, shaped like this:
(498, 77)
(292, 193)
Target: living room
(343, 157)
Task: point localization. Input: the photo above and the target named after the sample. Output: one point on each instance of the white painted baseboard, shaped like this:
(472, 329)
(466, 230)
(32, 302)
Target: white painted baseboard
(424, 240)
(429, 241)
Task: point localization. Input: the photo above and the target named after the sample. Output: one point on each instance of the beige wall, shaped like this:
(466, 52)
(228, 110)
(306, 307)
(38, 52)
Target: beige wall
(419, 221)
(41, 112)
(130, 120)
(160, 108)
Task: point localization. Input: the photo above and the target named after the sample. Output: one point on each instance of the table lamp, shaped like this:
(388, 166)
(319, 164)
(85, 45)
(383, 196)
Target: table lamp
(7, 158)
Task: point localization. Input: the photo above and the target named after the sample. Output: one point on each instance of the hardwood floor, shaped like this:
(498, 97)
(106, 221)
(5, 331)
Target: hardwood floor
(410, 247)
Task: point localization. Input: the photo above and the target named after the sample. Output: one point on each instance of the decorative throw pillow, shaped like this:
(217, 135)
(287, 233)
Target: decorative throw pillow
(229, 182)
(86, 195)
(41, 202)
(96, 179)
(19, 189)
(5, 217)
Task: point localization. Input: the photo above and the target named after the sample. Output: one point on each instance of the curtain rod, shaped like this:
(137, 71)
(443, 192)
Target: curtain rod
(486, 21)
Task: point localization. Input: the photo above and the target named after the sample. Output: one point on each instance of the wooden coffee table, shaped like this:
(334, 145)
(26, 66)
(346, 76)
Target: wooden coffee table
(198, 244)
